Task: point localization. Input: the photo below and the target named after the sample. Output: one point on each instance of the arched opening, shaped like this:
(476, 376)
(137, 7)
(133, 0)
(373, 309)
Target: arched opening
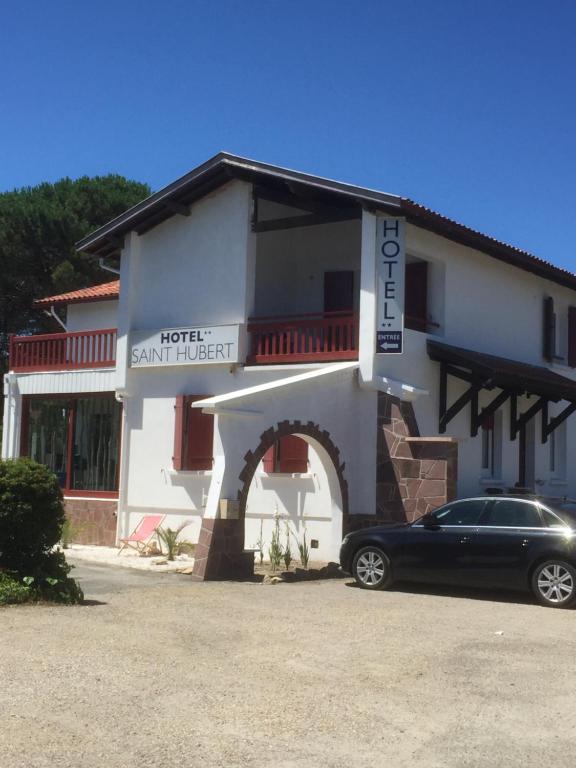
(294, 480)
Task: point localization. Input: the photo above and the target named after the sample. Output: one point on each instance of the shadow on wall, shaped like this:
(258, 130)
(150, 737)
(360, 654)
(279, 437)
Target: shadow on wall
(414, 474)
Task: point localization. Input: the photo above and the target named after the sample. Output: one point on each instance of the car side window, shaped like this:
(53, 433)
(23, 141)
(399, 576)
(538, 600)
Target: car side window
(551, 520)
(509, 513)
(467, 512)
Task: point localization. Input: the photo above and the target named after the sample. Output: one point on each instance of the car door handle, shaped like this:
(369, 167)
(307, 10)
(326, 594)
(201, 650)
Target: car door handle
(525, 542)
(464, 540)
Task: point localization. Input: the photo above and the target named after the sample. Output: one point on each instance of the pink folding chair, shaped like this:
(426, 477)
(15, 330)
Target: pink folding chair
(142, 536)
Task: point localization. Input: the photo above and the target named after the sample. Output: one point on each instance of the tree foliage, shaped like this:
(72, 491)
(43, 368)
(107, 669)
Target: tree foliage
(38, 228)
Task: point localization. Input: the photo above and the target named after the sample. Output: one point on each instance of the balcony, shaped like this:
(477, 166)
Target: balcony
(63, 351)
(331, 336)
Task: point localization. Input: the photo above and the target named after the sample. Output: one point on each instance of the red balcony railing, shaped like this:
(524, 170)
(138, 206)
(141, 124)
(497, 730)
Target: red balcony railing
(304, 339)
(63, 351)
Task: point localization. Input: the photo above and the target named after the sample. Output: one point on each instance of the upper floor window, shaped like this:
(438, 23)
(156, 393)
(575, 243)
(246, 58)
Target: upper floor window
(558, 333)
(416, 295)
(193, 435)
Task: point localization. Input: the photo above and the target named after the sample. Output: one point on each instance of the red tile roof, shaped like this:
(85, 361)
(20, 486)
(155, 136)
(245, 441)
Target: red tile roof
(102, 292)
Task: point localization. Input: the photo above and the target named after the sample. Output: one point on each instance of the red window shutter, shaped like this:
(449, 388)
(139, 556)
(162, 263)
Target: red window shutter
(179, 429)
(416, 295)
(548, 330)
(269, 460)
(199, 441)
(572, 337)
(293, 454)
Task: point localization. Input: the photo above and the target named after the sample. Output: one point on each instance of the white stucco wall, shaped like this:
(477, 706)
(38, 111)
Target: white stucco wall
(92, 315)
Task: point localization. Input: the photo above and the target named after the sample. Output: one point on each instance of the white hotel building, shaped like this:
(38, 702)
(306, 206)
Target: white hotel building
(246, 365)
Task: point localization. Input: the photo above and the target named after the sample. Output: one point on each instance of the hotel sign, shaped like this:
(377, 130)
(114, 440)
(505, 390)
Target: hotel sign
(390, 265)
(194, 345)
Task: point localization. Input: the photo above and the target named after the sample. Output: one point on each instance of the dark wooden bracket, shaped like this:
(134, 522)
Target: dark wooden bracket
(447, 414)
(549, 426)
(518, 422)
(477, 417)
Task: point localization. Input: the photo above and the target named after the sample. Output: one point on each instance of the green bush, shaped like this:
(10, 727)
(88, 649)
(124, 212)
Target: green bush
(31, 520)
(12, 590)
(31, 514)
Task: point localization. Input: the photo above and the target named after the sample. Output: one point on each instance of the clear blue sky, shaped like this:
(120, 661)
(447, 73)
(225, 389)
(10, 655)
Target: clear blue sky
(467, 106)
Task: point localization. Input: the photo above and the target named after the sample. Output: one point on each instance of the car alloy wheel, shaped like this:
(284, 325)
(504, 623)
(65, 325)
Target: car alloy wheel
(371, 568)
(554, 583)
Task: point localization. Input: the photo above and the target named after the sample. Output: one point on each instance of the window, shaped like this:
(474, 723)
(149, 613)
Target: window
(549, 330)
(572, 337)
(339, 291)
(551, 520)
(78, 438)
(466, 512)
(288, 455)
(509, 513)
(193, 435)
(557, 455)
(416, 295)
(492, 446)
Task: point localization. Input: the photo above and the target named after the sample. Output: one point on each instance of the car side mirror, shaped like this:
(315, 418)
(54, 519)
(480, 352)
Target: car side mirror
(430, 521)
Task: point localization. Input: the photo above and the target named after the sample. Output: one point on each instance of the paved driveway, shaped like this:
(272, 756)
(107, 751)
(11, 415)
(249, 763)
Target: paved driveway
(159, 671)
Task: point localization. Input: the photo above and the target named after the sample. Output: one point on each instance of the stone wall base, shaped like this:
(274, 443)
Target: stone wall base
(93, 521)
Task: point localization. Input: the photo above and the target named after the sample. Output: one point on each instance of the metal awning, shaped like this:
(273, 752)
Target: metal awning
(488, 372)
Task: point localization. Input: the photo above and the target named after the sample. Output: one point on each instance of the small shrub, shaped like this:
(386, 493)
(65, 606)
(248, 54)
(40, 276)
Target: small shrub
(12, 590)
(260, 543)
(71, 530)
(169, 538)
(275, 550)
(303, 550)
(287, 550)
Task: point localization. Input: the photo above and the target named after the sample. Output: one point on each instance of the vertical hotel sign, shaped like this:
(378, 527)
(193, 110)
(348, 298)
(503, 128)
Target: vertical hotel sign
(390, 266)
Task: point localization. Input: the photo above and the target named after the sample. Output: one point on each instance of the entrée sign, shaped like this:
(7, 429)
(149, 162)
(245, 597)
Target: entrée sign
(390, 265)
(197, 345)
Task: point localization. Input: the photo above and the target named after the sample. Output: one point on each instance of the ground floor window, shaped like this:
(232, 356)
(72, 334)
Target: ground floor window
(557, 442)
(77, 437)
(492, 446)
(287, 455)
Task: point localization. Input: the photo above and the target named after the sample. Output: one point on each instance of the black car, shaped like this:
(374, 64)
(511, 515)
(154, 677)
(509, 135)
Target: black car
(512, 542)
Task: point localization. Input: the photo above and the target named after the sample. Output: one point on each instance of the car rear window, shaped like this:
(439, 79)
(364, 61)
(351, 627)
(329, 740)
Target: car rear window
(509, 513)
(552, 520)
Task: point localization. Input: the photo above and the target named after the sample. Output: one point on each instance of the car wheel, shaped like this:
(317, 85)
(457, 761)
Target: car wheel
(554, 583)
(371, 568)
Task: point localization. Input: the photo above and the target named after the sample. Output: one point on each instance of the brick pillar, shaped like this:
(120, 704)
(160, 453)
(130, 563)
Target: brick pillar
(220, 552)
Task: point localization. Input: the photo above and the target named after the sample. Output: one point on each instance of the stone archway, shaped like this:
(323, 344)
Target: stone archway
(220, 549)
(283, 429)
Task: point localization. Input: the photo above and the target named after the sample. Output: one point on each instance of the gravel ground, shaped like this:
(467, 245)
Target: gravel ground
(159, 671)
